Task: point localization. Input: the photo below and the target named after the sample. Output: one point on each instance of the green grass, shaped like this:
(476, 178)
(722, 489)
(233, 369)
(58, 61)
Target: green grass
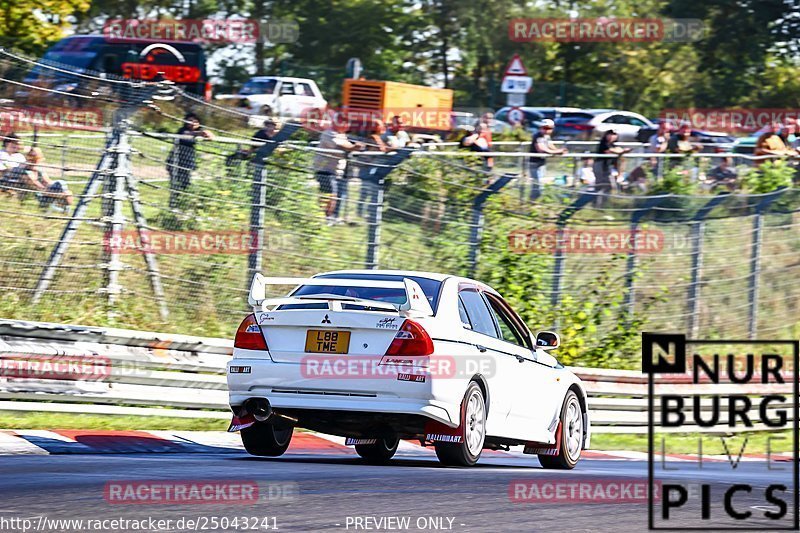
(52, 421)
(780, 441)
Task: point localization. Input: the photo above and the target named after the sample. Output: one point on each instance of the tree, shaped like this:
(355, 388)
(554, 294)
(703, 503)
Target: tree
(29, 26)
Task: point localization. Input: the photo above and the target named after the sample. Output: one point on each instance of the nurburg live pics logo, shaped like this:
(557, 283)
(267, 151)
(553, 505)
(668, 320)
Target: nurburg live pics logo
(715, 389)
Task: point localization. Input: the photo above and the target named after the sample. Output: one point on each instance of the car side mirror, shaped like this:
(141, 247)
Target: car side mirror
(547, 340)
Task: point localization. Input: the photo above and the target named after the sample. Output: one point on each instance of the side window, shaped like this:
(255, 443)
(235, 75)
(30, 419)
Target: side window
(287, 89)
(462, 313)
(636, 122)
(304, 89)
(508, 329)
(479, 315)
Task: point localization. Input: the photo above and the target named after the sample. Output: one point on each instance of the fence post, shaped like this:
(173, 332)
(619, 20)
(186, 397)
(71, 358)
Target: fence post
(559, 256)
(476, 227)
(258, 198)
(696, 236)
(381, 167)
(629, 300)
(755, 261)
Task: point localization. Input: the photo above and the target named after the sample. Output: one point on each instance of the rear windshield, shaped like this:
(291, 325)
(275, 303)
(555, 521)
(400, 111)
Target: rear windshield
(394, 296)
(575, 116)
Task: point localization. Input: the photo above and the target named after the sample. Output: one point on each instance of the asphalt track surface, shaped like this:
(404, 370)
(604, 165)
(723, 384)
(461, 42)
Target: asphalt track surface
(334, 491)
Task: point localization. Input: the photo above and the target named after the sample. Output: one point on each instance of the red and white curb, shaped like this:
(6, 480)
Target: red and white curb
(55, 442)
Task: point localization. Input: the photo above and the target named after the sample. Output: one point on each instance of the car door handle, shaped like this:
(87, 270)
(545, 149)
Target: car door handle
(480, 348)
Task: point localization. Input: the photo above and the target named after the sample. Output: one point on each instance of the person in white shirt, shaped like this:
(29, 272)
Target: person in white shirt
(11, 155)
(330, 166)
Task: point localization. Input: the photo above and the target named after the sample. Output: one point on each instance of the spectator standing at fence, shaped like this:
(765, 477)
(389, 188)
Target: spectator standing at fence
(541, 144)
(11, 155)
(658, 144)
(375, 142)
(30, 177)
(605, 167)
(330, 166)
(182, 159)
(487, 119)
(265, 134)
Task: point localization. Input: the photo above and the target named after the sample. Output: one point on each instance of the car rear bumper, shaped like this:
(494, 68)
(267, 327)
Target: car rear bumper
(287, 386)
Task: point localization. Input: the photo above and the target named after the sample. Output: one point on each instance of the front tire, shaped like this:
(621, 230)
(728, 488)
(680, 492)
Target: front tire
(379, 453)
(572, 436)
(266, 440)
(473, 432)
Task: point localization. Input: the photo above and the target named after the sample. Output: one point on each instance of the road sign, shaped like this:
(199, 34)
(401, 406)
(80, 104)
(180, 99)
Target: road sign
(515, 99)
(515, 115)
(517, 84)
(516, 68)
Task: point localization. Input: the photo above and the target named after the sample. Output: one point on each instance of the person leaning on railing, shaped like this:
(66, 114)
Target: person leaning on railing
(771, 143)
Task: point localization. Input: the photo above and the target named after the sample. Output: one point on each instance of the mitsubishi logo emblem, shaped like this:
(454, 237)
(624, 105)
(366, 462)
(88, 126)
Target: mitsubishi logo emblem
(326, 320)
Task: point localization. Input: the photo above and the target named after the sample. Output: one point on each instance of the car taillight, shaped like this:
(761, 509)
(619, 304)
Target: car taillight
(249, 335)
(411, 339)
(207, 92)
(581, 126)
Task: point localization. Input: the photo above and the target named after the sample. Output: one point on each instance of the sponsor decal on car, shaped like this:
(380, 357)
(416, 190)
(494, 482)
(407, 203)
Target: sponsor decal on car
(416, 378)
(387, 323)
(438, 437)
(351, 442)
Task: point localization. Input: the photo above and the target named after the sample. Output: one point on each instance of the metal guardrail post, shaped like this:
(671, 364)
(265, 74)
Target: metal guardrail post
(258, 196)
(696, 236)
(476, 227)
(755, 262)
(559, 255)
(383, 165)
(629, 300)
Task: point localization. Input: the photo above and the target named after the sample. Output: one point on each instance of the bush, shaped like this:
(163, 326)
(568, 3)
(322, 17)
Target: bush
(769, 176)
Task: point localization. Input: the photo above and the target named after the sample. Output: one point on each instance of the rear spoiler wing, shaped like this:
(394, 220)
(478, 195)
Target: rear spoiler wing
(416, 302)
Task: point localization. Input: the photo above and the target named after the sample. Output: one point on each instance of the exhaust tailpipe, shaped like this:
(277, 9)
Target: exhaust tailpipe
(259, 408)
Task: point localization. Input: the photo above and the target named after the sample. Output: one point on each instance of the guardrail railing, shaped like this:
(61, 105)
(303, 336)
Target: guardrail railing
(154, 374)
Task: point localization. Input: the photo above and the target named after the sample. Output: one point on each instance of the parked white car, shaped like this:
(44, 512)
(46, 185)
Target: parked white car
(376, 356)
(591, 124)
(279, 96)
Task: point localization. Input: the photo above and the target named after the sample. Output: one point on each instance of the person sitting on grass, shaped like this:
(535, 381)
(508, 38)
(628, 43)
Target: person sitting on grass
(29, 177)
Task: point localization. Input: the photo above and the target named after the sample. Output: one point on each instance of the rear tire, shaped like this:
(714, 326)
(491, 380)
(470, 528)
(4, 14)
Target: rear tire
(473, 432)
(572, 436)
(380, 452)
(266, 440)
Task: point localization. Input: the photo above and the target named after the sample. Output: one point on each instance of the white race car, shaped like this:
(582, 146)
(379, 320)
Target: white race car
(376, 356)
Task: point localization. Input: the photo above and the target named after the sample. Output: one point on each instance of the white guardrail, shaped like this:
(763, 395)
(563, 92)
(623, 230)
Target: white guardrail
(155, 374)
